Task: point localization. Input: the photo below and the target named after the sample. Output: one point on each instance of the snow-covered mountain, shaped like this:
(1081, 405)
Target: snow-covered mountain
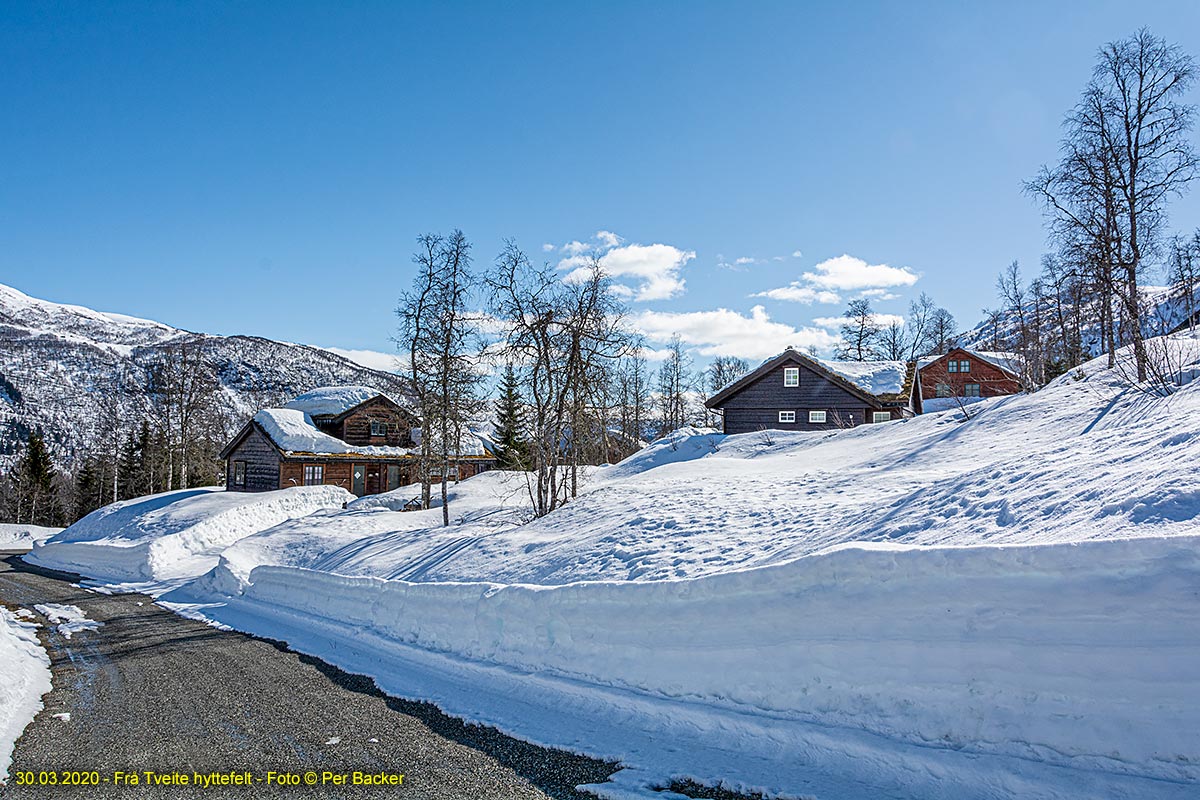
(62, 367)
(1165, 309)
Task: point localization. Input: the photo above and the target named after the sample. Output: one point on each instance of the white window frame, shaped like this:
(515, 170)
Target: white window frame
(817, 417)
(881, 416)
(314, 474)
(787, 416)
(791, 377)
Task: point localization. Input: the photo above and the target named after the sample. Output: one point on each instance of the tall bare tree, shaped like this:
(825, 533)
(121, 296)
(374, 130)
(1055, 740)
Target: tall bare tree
(1125, 154)
(860, 333)
(441, 336)
(561, 337)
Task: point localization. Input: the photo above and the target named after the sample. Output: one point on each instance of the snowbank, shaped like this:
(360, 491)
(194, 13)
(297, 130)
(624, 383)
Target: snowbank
(26, 670)
(1072, 655)
(23, 537)
(174, 535)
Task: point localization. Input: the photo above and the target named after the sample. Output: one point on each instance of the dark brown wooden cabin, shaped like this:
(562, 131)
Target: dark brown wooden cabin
(963, 373)
(794, 392)
(256, 462)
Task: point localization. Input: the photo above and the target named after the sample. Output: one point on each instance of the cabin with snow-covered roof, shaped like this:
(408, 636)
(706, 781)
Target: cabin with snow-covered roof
(968, 375)
(796, 392)
(349, 436)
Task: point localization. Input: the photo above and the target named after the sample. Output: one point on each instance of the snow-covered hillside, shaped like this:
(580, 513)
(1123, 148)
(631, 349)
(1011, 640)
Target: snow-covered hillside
(941, 607)
(1085, 458)
(61, 364)
(1165, 310)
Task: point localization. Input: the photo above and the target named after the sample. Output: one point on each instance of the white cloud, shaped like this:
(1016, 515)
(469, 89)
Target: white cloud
(652, 271)
(547, 248)
(744, 260)
(882, 320)
(371, 359)
(607, 239)
(848, 273)
(729, 333)
(797, 293)
(797, 254)
(843, 274)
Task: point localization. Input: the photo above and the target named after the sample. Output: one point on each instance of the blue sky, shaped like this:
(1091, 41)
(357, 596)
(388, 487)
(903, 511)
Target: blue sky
(264, 168)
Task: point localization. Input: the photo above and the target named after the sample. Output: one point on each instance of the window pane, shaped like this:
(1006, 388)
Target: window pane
(952, 366)
(816, 416)
(964, 366)
(787, 416)
(971, 390)
(880, 416)
(791, 376)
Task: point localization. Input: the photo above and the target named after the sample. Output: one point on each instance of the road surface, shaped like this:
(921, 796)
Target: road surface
(153, 691)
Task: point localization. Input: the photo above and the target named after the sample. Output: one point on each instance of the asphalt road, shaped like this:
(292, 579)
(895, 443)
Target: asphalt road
(153, 691)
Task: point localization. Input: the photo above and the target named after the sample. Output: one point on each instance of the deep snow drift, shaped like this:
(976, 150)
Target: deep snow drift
(25, 668)
(175, 535)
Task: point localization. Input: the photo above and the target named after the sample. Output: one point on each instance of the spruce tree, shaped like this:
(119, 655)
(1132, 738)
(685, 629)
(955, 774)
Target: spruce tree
(37, 501)
(87, 489)
(510, 424)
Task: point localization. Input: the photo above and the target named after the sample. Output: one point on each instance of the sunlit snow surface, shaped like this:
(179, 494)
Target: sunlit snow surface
(994, 605)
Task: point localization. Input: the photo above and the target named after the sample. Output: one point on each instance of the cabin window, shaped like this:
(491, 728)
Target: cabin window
(314, 474)
(791, 376)
(378, 428)
(971, 390)
(436, 471)
(952, 366)
(239, 473)
(943, 390)
(964, 366)
(816, 416)
(787, 416)
(881, 416)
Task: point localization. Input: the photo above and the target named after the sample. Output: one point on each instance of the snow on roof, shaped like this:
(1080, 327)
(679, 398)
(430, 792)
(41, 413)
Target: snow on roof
(332, 400)
(873, 377)
(294, 432)
(1013, 362)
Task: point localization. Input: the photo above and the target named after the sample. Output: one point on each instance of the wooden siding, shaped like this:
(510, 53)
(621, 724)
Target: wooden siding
(262, 463)
(355, 427)
(993, 381)
(756, 406)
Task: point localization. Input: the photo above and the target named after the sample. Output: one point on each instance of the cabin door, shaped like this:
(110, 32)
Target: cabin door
(393, 476)
(358, 479)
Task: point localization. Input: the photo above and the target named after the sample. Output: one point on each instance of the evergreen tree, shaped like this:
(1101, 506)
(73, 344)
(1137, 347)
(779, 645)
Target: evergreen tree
(87, 489)
(131, 465)
(35, 497)
(510, 424)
